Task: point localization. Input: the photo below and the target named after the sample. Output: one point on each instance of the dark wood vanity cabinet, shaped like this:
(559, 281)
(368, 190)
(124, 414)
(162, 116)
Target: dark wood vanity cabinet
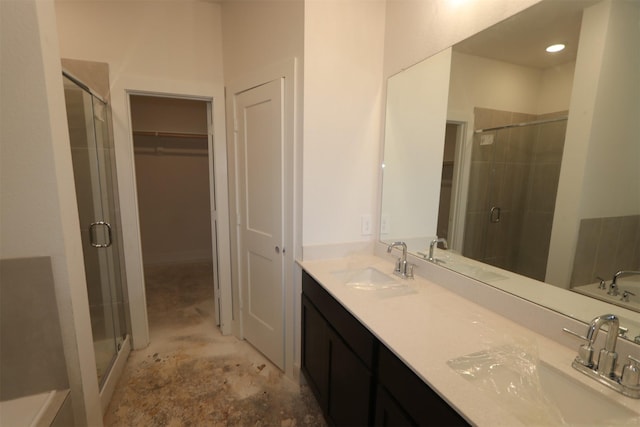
(337, 369)
(356, 379)
(408, 400)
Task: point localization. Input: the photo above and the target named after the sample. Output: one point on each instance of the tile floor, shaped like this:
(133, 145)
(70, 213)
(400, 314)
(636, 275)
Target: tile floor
(191, 375)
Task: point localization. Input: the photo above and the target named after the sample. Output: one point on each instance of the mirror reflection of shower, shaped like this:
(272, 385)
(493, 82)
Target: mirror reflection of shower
(513, 180)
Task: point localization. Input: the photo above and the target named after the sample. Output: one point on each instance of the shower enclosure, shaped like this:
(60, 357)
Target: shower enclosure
(513, 182)
(92, 153)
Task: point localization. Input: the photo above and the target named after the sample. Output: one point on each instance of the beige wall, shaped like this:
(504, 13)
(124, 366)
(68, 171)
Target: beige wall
(486, 83)
(38, 209)
(342, 118)
(612, 174)
(172, 177)
(258, 33)
(417, 29)
(600, 175)
(144, 56)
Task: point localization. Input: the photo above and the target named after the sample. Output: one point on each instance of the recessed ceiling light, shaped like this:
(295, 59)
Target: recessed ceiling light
(555, 48)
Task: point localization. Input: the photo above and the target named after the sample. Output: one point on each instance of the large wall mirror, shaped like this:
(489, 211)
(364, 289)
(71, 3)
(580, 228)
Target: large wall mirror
(526, 162)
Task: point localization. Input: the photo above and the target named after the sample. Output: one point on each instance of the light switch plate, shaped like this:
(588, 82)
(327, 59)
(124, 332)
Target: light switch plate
(384, 224)
(365, 225)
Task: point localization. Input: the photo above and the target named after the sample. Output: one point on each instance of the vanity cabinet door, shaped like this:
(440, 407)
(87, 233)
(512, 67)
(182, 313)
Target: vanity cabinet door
(418, 401)
(340, 381)
(315, 352)
(337, 357)
(358, 338)
(389, 413)
(350, 387)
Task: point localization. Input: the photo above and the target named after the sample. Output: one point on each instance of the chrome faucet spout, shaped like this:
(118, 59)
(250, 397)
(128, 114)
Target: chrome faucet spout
(433, 244)
(612, 334)
(613, 287)
(396, 244)
(403, 268)
(623, 273)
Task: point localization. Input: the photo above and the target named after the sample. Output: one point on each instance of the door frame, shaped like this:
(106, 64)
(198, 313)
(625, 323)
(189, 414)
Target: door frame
(219, 223)
(291, 191)
(460, 187)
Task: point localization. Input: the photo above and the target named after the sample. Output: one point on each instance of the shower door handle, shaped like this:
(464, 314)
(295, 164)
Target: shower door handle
(92, 234)
(494, 216)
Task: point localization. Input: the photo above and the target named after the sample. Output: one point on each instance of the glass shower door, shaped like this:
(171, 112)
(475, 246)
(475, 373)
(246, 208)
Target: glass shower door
(513, 183)
(93, 160)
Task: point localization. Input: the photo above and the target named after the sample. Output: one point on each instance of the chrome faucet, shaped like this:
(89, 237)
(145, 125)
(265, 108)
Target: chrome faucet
(613, 287)
(433, 244)
(403, 268)
(604, 371)
(608, 357)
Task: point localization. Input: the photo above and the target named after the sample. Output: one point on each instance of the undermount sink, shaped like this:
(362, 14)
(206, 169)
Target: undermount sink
(368, 278)
(580, 404)
(372, 279)
(539, 394)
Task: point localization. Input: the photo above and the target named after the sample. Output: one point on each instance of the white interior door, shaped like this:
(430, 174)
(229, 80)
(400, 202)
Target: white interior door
(259, 148)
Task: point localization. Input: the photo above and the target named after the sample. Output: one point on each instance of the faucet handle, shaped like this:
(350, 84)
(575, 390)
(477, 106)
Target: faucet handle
(603, 283)
(625, 296)
(585, 351)
(410, 268)
(631, 373)
(622, 331)
(575, 334)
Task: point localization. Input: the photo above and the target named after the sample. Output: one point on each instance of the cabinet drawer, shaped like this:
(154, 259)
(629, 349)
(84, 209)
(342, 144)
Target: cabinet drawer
(356, 336)
(418, 400)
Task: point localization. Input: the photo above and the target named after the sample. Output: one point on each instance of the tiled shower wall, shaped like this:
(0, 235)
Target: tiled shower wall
(516, 169)
(605, 246)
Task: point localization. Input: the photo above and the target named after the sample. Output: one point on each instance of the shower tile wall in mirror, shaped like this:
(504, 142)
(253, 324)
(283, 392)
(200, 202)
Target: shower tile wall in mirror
(539, 176)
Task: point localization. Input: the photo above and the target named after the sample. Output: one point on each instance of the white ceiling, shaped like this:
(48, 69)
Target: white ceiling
(522, 39)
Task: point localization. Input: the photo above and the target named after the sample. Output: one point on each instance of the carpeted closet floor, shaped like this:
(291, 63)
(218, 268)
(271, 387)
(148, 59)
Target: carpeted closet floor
(191, 375)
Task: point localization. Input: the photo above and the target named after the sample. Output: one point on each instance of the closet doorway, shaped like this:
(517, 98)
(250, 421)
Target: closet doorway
(176, 205)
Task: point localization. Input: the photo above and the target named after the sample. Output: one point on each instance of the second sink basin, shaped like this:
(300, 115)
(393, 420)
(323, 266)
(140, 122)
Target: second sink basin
(539, 394)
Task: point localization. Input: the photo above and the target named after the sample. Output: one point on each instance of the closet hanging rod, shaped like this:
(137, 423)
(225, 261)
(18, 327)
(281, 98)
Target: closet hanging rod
(160, 151)
(170, 134)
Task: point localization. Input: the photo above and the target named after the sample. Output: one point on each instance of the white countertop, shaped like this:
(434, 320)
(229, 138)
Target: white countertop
(431, 325)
